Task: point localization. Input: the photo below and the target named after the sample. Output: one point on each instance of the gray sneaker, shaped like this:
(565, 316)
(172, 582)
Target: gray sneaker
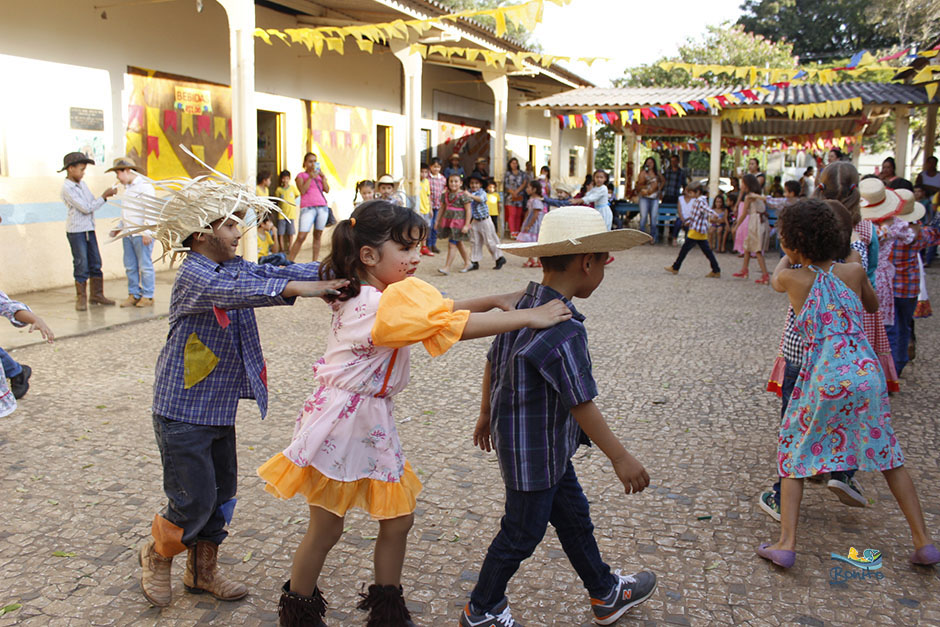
(847, 489)
(630, 590)
(499, 616)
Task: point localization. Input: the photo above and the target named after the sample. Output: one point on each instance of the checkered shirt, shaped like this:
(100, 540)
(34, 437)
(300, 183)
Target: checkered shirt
(81, 205)
(675, 182)
(536, 377)
(478, 208)
(214, 302)
(904, 258)
(9, 307)
(698, 221)
(438, 184)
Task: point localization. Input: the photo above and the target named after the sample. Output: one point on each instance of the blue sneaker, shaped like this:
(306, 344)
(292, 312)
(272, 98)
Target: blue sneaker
(499, 616)
(769, 504)
(847, 489)
(630, 590)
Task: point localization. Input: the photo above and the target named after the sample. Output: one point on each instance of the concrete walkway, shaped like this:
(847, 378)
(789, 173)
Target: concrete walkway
(57, 308)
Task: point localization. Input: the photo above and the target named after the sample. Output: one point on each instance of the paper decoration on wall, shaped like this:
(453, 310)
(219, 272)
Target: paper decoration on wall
(526, 15)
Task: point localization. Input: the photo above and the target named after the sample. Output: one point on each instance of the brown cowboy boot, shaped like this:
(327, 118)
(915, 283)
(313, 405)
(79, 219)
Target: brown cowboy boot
(202, 575)
(155, 575)
(81, 297)
(97, 296)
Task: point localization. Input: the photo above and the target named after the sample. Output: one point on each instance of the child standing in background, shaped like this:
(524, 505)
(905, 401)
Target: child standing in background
(453, 222)
(535, 209)
(263, 187)
(424, 204)
(438, 183)
(288, 194)
(365, 190)
(268, 251)
(481, 229)
(492, 203)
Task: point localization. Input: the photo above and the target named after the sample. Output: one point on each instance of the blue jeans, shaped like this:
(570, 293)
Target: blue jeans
(432, 232)
(522, 529)
(277, 259)
(790, 376)
(10, 366)
(200, 475)
(649, 209)
(86, 260)
(138, 263)
(688, 245)
(899, 334)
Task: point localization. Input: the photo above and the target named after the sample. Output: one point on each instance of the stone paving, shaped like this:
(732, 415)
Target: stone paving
(680, 362)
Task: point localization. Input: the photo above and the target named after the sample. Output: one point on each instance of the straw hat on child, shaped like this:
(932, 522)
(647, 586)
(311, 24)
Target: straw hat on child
(879, 203)
(575, 230)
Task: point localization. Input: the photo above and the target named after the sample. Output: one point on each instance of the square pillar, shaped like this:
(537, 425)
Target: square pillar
(714, 163)
(618, 162)
(902, 139)
(241, 24)
(498, 83)
(555, 160)
(589, 144)
(412, 65)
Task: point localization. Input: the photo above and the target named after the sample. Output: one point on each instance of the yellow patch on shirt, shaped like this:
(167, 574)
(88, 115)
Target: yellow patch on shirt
(198, 361)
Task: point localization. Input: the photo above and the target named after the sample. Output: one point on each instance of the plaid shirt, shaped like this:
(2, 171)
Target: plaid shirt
(698, 220)
(212, 305)
(8, 309)
(478, 208)
(536, 377)
(904, 258)
(438, 184)
(81, 205)
(675, 181)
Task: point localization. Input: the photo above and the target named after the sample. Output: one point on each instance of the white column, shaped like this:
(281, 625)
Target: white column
(412, 64)
(714, 164)
(498, 82)
(555, 162)
(857, 149)
(241, 25)
(589, 144)
(902, 139)
(618, 163)
(930, 132)
(632, 157)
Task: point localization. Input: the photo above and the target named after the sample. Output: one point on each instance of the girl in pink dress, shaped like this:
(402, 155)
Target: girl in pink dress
(529, 232)
(345, 451)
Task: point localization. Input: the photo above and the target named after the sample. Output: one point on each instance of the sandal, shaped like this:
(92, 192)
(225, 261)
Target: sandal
(740, 275)
(764, 279)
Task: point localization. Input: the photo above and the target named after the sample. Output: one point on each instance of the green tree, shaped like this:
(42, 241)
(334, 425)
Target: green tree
(821, 30)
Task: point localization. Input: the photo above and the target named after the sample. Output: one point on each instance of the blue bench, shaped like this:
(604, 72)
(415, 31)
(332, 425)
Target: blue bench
(625, 211)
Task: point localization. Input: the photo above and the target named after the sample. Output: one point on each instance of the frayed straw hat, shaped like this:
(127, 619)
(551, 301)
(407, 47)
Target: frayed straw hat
(574, 230)
(190, 205)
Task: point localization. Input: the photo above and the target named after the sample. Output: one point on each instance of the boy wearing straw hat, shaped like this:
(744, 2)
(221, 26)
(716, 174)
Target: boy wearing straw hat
(138, 249)
(80, 230)
(212, 358)
(537, 408)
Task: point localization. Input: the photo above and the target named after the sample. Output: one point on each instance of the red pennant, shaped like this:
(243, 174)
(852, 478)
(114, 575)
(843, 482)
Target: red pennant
(722, 101)
(153, 145)
(318, 136)
(333, 138)
(646, 113)
(348, 139)
(228, 126)
(221, 317)
(204, 124)
(363, 139)
(230, 150)
(135, 113)
(750, 95)
(669, 111)
(170, 120)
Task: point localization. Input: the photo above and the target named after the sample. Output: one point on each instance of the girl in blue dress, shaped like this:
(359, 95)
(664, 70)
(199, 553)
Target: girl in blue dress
(839, 417)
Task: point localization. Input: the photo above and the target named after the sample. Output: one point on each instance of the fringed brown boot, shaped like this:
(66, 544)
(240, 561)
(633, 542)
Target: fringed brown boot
(97, 296)
(386, 606)
(296, 610)
(202, 574)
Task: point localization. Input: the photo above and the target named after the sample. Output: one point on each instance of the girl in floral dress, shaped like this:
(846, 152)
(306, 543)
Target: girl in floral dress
(839, 417)
(533, 220)
(453, 222)
(345, 452)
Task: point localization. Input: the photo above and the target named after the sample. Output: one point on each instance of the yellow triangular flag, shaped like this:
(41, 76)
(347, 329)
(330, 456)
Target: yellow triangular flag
(135, 141)
(263, 35)
(186, 124)
(199, 151)
(931, 89)
(218, 126)
(365, 45)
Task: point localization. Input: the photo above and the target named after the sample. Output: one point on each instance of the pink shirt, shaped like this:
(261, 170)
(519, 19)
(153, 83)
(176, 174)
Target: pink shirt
(314, 195)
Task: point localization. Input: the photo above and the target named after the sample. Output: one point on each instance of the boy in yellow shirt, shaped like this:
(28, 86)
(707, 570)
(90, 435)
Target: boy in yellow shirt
(268, 251)
(492, 203)
(424, 204)
(288, 194)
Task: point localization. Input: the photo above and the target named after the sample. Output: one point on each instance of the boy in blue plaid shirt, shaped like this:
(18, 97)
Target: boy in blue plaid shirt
(212, 358)
(537, 408)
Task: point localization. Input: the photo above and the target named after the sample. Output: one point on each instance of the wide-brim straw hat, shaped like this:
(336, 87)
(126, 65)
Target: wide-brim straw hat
(123, 163)
(386, 178)
(185, 206)
(74, 158)
(574, 230)
(911, 211)
(877, 202)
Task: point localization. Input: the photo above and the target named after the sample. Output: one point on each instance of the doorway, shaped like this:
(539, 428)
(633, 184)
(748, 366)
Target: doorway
(270, 145)
(383, 150)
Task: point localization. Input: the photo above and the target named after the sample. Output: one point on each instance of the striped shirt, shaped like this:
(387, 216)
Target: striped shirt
(81, 205)
(698, 215)
(438, 185)
(536, 377)
(213, 332)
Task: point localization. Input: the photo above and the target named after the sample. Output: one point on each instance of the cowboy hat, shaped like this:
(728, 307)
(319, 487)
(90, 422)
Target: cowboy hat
(386, 178)
(75, 158)
(123, 163)
(574, 230)
(878, 203)
(910, 211)
(563, 187)
(453, 156)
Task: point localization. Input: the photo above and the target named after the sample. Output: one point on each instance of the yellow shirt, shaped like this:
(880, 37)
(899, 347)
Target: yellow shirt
(425, 199)
(265, 242)
(261, 190)
(288, 203)
(492, 202)
(693, 234)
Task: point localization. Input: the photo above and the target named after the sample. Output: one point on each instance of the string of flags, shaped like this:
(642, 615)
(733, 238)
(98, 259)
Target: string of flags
(525, 15)
(497, 59)
(826, 141)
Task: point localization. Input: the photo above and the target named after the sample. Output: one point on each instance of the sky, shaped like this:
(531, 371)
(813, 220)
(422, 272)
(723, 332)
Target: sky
(629, 32)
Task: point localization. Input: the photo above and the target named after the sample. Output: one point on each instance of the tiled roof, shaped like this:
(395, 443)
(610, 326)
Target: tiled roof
(600, 98)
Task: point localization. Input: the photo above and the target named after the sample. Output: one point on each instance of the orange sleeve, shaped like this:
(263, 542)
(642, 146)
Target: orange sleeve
(413, 311)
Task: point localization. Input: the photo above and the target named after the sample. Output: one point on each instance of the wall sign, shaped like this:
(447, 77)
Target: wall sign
(82, 119)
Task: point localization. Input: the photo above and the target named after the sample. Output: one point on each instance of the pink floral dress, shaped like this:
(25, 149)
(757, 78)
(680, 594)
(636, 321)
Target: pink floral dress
(839, 417)
(889, 232)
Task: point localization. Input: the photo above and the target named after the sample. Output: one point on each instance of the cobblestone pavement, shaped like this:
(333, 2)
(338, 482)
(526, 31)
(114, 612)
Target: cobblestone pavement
(681, 363)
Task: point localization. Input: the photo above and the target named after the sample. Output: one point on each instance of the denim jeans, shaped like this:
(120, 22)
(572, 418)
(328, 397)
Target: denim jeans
(432, 232)
(688, 245)
(899, 334)
(790, 376)
(200, 475)
(10, 366)
(649, 209)
(138, 263)
(277, 259)
(522, 529)
(86, 260)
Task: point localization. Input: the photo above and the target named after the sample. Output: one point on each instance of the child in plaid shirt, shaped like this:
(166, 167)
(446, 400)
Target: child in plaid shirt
(698, 233)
